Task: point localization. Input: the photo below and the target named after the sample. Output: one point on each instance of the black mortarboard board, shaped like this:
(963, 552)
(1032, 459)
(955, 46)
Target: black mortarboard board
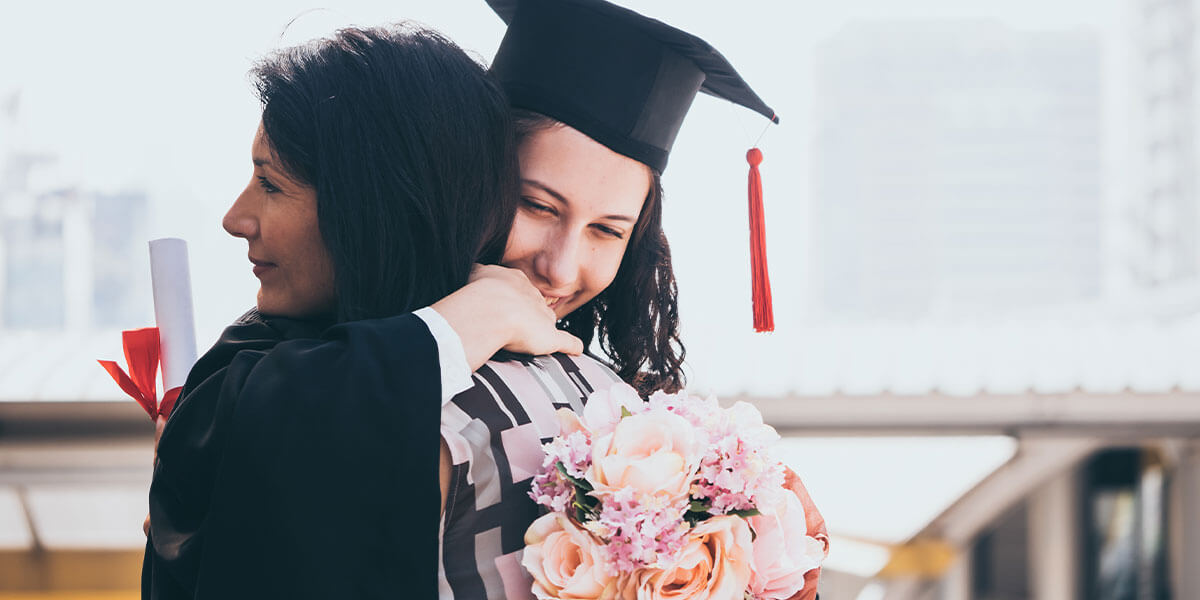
(625, 80)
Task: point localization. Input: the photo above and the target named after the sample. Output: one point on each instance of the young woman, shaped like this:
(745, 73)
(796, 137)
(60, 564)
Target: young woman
(599, 93)
(300, 460)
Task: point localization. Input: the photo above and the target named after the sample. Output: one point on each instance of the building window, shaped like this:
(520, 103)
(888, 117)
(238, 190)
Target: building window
(1123, 503)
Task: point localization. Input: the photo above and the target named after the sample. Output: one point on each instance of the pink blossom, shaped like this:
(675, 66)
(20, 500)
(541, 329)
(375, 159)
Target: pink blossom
(603, 409)
(650, 466)
(737, 473)
(654, 452)
(783, 552)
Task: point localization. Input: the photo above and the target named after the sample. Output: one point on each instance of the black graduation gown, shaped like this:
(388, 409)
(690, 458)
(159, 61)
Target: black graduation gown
(301, 463)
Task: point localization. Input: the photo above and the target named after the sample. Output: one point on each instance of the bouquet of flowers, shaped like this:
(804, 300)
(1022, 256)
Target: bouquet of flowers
(673, 497)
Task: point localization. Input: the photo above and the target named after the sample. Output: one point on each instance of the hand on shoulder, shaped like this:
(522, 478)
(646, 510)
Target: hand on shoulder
(500, 309)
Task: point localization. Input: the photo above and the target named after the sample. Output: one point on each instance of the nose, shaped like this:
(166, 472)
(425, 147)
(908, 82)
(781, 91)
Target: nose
(241, 220)
(559, 262)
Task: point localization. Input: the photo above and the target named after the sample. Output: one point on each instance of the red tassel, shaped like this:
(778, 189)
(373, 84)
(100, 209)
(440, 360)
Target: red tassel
(764, 314)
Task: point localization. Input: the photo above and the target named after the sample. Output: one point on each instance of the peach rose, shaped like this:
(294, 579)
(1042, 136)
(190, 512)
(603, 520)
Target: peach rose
(568, 422)
(603, 408)
(655, 453)
(783, 552)
(565, 562)
(714, 565)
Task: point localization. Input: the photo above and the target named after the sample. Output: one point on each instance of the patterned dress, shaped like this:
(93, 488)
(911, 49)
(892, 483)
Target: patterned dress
(495, 432)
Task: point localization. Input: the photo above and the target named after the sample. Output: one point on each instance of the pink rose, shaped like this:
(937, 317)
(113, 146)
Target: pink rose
(568, 422)
(783, 551)
(714, 564)
(655, 453)
(603, 408)
(565, 562)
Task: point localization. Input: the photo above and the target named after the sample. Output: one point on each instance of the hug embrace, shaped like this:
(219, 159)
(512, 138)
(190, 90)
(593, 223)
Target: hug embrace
(452, 260)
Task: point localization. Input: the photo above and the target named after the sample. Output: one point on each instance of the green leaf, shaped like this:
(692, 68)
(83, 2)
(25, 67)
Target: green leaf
(747, 513)
(581, 484)
(699, 506)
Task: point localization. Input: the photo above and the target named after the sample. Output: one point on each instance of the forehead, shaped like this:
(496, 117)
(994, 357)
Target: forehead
(585, 172)
(260, 147)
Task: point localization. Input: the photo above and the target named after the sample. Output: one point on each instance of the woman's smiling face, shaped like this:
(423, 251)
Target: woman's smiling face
(579, 204)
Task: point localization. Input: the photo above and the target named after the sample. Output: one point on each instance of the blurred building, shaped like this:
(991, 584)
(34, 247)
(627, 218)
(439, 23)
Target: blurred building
(69, 256)
(120, 297)
(1164, 214)
(34, 290)
(956, 169)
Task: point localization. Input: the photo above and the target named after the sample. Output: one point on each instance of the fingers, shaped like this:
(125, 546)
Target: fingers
(568, 343)
(159, 423)
(146, 525)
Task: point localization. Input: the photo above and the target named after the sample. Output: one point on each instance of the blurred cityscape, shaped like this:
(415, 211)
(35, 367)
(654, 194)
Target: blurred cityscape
(1006, 352)
(66, 249)
(958, 170)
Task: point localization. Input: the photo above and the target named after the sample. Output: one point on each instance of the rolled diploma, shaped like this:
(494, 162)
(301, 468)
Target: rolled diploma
(173, 309)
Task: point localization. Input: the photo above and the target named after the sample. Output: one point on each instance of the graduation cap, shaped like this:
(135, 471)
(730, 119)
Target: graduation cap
(626, 81)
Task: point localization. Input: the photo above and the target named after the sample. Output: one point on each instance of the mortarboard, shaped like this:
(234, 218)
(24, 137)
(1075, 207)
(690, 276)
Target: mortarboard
(627, 81)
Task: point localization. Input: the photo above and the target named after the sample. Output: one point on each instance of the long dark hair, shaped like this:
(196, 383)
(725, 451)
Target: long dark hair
(636, 318)
(409, 146)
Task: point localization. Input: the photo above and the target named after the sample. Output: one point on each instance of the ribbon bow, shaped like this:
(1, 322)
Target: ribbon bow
(141, 355)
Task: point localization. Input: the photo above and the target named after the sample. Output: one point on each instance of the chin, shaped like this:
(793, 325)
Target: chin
(268, 305)
(564, 313)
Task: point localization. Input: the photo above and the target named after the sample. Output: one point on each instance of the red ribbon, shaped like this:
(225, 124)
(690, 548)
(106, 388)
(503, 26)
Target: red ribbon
(142, 355)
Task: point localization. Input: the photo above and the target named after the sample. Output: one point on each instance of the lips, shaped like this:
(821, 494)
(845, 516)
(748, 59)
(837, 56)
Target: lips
(261, 266)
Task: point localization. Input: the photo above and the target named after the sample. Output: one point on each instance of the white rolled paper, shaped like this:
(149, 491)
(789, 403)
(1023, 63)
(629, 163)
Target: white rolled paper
(173, 312)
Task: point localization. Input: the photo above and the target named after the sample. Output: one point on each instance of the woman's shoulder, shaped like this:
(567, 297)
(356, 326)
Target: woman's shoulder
(586, 364)
(582, 374)
(514, 390)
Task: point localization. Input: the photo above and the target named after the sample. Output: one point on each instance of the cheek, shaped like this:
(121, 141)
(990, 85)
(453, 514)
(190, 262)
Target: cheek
(601, 267)
(312, 266)
(524, 239)
(320, 265)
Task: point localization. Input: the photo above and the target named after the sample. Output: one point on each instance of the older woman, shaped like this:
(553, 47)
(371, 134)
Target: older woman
(301, 457)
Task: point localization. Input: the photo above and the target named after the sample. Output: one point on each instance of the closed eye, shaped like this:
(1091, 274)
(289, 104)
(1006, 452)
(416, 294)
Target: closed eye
(267, 186)
(609, 231)
(537, 206)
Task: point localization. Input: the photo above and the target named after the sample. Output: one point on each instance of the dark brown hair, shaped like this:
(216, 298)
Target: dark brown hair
(636, 318)
(409, 145)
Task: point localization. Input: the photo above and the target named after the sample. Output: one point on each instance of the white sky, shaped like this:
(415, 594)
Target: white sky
(154, 95)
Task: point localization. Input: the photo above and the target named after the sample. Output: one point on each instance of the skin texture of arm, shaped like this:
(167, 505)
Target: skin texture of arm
(444, 467)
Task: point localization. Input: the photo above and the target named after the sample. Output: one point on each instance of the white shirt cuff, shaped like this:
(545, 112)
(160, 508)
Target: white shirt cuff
(456, 374)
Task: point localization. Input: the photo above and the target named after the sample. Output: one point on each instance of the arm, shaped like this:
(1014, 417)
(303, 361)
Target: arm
(444, 468)
(322, 456)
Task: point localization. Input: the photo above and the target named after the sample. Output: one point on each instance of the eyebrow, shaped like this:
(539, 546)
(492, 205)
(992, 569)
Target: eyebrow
(563, 199)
